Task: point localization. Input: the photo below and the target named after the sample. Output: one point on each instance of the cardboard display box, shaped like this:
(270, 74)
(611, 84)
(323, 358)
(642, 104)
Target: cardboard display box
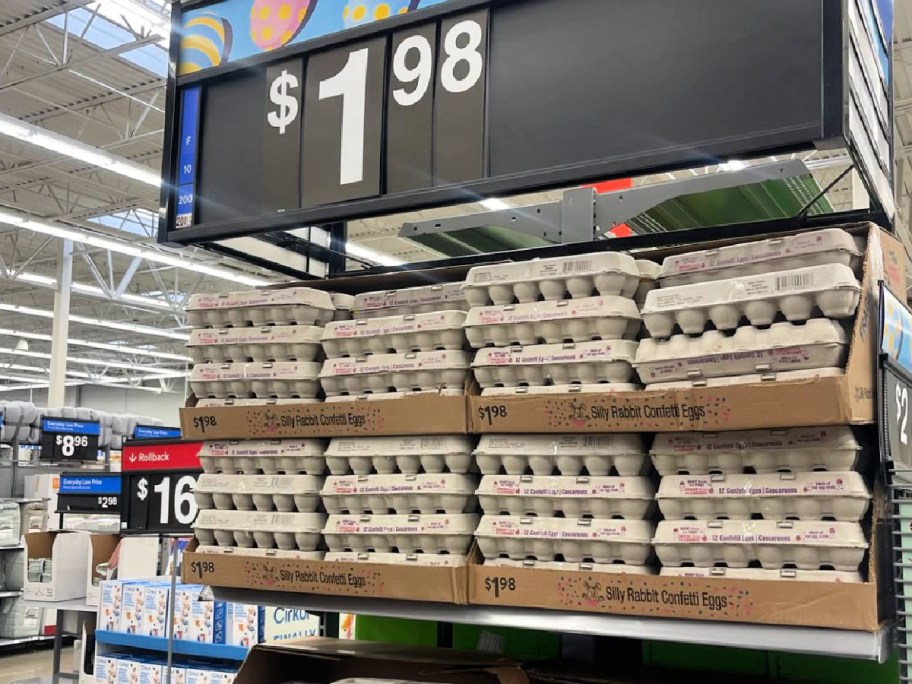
(847, 399)
(270, 573)
(424, 414)
(136, 557)
(68, 553)
(321, 660)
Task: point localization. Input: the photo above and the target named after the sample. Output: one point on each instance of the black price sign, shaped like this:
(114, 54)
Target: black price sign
(158, 482)
(69, 440)
(89, 493)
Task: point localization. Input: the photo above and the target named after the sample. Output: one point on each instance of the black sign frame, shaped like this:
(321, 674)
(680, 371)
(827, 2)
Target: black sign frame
(831, 124)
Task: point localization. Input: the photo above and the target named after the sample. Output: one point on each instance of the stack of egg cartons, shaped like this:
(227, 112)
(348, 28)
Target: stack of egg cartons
(554, 326)
(752, 312)
(549, 325)
(404, 500)
(762, 504)
(258, 346)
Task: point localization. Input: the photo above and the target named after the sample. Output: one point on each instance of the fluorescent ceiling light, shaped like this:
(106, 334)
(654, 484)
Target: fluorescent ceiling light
(370, 255)
(733, 165)
(128, 248)
(116, 348)
(495, 204)
(97, 322)
(93, 291)
(165, 372)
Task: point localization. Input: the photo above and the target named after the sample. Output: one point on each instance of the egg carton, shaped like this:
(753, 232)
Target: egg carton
(561, 566)
(567, 320)
(572, 497)
(775, 496)
(269, 457)
(240, 345)
(603, 361)
(832, 448)
(380, 373)
(289, 306)
(816, 248)
(424, 560)
(649, 280)
(575, 540)
(818, 343)
(524, 390)
(260, 553)
(408, 333)
(286, 531)
(248, 401)
(401, 494)
(595, 455)
(789, 574)
(577, 277)
(343, 305)
(394, 395)
(401, 533)
(750, 379)
(410, 300)
(282, 380)
(803, 544)
(832, 289)
(264, 493)
(407, 455)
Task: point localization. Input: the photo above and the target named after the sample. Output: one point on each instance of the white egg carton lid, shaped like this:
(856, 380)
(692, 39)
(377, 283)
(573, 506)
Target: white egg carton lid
(430, 297)
(388, 485)
(561, 310)
(409, 362)
(649, 270)
(424, 560)
(271, 334)
(575, 388)
(795, 293)
(788, 574)
(804, 495)
(434, 524)
(494, 282)
(346, 447)
(828, 246)
(567, 487)
(443, 392)
(251, 521)
(232, 372)
(258, 484)
(260, 553)
(342, 302)
(819, 533)
(562, 566)
(750, 379)
(403, 333)
(560, 445)
(571, 529)
(248, 401)
(599, 351)
(765, 450)
(818, 343)
(261, 448)
(292, 296)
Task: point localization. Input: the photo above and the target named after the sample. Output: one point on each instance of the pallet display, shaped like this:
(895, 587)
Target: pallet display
(667, 436)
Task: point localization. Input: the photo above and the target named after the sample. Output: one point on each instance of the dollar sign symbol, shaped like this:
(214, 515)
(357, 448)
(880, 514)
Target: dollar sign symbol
(143, 489)
(288, 105)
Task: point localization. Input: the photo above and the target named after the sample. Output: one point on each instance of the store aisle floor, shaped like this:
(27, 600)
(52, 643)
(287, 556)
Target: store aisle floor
(29, 668)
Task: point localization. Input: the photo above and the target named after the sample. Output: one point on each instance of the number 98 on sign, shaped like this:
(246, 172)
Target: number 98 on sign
(388, 114)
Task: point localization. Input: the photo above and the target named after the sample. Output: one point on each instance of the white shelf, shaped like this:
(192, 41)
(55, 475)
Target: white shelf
(809, 640)
(75, 605)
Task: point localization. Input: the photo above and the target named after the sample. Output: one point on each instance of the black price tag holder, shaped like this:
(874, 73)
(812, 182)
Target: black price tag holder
(894, 391)
(89, 492)
(157, 482)
(69, 440)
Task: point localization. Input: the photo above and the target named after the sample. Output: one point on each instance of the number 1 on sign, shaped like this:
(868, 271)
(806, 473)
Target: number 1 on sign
(351, 85)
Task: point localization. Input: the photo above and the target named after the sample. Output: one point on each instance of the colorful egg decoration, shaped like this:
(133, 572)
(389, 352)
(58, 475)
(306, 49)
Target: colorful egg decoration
(205, 42)
(273, 23)
(358, 12)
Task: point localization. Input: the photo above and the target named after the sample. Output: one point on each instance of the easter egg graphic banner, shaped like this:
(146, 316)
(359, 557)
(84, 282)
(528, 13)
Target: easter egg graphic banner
(228, 31)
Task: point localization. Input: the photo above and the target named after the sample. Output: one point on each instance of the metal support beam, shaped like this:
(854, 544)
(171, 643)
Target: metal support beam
(60, 329)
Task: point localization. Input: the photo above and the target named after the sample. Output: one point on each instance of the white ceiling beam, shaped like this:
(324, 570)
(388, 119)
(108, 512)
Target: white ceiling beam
(100, 346)
(97, 322)
(38, 17)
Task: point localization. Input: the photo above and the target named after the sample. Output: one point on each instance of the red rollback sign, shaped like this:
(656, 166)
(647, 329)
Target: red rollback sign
(161, 456)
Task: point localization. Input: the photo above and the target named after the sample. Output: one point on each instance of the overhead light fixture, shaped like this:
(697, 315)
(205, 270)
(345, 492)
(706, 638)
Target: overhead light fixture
(495, 204)
(98, 322)
(123, 247)
(23, 346)
(370, 255)
(102, 346)
(733, 165)
(24, 351)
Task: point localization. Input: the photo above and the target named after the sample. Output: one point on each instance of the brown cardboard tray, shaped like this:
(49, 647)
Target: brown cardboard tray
(441, 585)
(846, 399)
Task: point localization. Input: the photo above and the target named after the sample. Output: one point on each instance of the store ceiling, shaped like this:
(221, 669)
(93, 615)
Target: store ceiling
(92, 74)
